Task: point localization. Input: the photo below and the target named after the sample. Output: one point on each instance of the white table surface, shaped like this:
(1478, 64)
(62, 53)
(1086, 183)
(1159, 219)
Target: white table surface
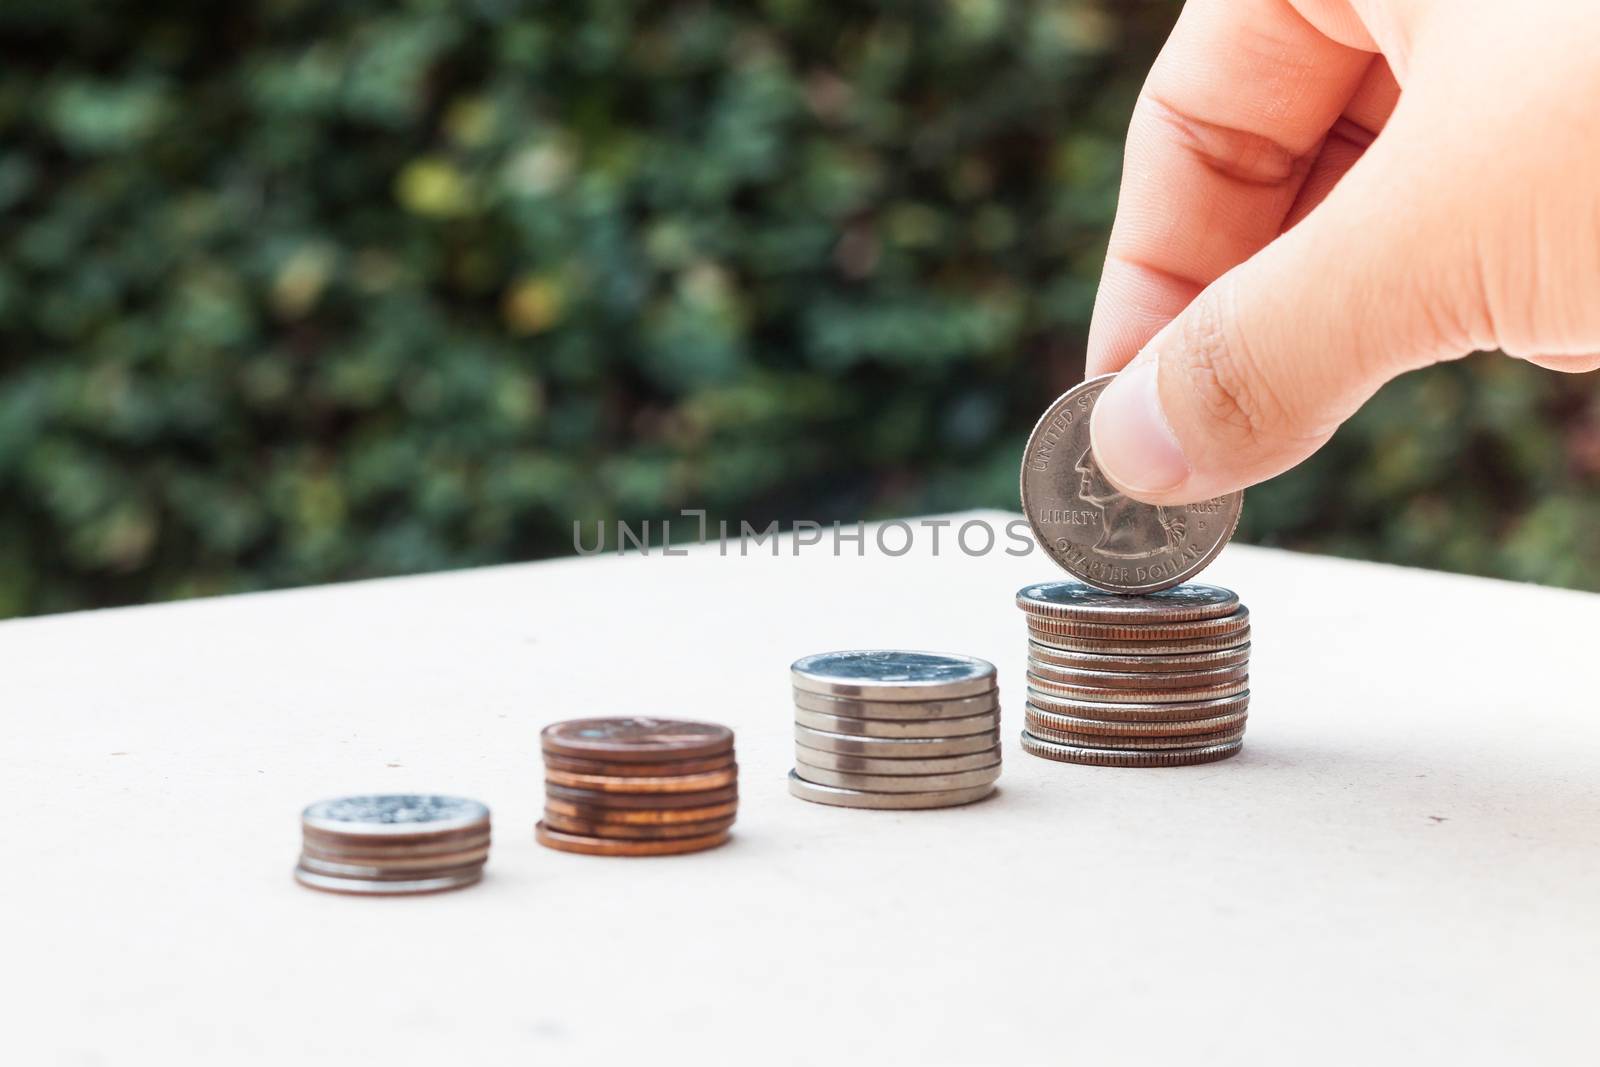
(1402, 866)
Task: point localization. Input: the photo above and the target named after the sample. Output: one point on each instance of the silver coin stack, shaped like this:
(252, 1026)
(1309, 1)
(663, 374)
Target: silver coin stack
(894, 729)
(393, 845)
(1157, 680)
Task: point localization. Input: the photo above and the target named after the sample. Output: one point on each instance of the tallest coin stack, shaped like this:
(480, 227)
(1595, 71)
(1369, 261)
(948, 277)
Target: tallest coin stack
(1158, 680)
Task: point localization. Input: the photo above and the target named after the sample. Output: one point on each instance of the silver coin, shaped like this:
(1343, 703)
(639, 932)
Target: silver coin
(1072, 724)
(895, 747)
(1074, 600)
(1142, 681)
(336, 869)
(1136, 744)
(833, 761)
(893, 674)
(1092, 531)
(856, 798)
(1151, 712)
(1148, 664)
(960, 707)
(387, 887)
(838, 724)
(897, 783)
(394, 815)
(1068, 643)
(1037, 684)
(1107, 757)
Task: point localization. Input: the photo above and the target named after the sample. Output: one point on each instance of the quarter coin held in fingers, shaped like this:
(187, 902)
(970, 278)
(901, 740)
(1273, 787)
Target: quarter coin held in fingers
(1091, 530)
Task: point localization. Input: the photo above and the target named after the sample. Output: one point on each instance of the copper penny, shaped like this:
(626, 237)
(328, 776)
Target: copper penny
(634, 831)
(683, 783)
(1153, 631)
(660, 768)
(636, 740)
(640, 816)
(1038, 684)
(597, 799)
(610, 846)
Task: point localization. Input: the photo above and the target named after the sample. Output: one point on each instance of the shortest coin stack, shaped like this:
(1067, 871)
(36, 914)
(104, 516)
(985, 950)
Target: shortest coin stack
(1158, 680)
(637, 787)
(892, 729)
(393, 845)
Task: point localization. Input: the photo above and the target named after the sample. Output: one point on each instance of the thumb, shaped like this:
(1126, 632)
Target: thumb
(1260, 369)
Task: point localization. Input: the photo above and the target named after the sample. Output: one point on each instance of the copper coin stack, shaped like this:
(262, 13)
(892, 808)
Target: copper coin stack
(393, 845)
(1155, 680)
(894, 729)
(637, 787)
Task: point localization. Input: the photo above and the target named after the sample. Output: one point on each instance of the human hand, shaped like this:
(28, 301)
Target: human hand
(1294, 229)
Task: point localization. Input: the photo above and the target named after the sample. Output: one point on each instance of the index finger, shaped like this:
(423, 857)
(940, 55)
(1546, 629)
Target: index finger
(1221, 139)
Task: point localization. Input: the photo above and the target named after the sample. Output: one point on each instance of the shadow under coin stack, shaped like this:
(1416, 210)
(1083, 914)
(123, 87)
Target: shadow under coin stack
(1154, 680)
(889, 729)
(637, 787)
(393, 845)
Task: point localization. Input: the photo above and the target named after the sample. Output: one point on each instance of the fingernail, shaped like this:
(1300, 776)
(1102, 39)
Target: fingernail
(1133, 442)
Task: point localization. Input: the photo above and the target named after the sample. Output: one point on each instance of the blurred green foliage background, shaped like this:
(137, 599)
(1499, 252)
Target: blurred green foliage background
(295, 291)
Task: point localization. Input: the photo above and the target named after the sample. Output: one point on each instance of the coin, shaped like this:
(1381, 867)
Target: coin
(1152, 712)
(392, 844)
(1166, 631)
(856, 798)
(636, 740)
(642, 816)
(1074, 600)
(611, 846)
(683, 783)
(394, 817)
(970, 724)
(1136, 680)
(1136, 696)
(378, 847)
(1147, 664)
(317, 865)
(396, 862)
(1180, 741)
(601, 798)
(1037, 720)
(892, 674)
(634, 831)
(898, 709)
(660, 768)
(897, 783)
(1106, 757)
(833, 761)
(1091, 530)
(1142, 648)
(384, 887)
(895, 748)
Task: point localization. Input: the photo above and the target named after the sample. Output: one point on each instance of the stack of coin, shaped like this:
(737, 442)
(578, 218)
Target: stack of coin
(637, 787)
(1154, 680)
(889, 729)
(393, 845)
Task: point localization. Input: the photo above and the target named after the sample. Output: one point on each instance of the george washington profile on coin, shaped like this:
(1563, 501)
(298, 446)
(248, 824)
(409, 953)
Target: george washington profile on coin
(1099, 536)
(1128, 528)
